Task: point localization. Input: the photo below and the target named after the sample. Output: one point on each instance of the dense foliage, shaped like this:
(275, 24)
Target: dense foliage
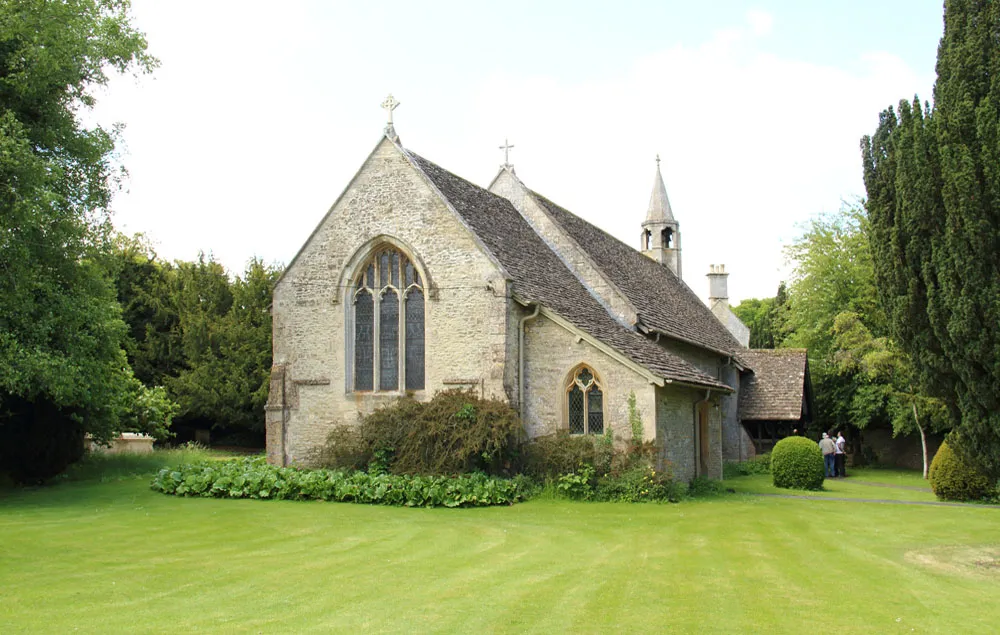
(204, 335)
(933, 198)
(797, 463)
(639, 483)
(955, 479)
(455, 432)
(832, 275)
(61, 359)
(766, 318)
(760, 464)
(255, 478)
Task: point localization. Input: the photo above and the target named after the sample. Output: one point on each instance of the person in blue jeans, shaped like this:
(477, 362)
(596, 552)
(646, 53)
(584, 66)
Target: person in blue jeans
(829, 449)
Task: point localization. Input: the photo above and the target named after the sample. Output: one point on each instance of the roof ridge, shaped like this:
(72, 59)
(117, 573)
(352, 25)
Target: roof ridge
(693, 296)
(539, 275)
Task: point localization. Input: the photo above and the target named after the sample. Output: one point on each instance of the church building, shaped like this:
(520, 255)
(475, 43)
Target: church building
(417, 281)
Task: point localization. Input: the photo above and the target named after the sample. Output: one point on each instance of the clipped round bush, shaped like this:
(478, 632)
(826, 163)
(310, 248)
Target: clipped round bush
(953, 479)
(797, 463)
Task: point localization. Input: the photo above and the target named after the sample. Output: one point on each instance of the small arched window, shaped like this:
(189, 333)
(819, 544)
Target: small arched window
(388, 324)
(585, 402)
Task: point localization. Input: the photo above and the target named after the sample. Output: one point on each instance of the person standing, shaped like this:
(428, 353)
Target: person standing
(840, 456)
(829, 449)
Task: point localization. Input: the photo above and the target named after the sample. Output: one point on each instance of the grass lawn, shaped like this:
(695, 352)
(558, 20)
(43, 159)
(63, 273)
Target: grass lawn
(902, 485)
(112, 556)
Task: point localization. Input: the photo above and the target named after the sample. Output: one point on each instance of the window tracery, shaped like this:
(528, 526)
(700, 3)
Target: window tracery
(388, 312)
(585, 403)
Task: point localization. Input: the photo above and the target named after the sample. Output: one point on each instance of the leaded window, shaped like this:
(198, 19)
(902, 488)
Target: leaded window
(585, 403)
(388, 324)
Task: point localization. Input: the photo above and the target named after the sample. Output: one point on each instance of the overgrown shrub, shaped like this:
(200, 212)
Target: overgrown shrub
(702, 486)
(952, 478)
(797, 463)
(455, 432)
(760, 464)
(562, 453)
(255, 478)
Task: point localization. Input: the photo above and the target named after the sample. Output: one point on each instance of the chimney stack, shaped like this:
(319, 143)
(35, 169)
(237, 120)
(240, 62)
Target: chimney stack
(718, 285)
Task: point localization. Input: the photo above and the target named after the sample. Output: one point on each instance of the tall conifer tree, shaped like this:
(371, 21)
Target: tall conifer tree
(933, 181)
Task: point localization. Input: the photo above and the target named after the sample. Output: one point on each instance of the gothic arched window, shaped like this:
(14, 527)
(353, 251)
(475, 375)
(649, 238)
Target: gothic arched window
(388, 324)
(585, 403)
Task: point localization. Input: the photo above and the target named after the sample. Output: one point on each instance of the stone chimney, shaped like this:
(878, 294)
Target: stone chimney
(718, 302)
(718, 285)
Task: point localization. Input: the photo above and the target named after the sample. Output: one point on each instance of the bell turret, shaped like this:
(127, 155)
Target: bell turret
(661, 234)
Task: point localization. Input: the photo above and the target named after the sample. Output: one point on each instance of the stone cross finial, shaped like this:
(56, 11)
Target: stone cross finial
(389, 105)
(657, 161)
(506, 153)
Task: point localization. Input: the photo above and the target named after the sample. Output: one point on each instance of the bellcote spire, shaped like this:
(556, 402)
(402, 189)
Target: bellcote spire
(659, 205)
(661, 233)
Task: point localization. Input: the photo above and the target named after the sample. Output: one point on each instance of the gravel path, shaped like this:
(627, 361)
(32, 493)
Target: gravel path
(912, 488)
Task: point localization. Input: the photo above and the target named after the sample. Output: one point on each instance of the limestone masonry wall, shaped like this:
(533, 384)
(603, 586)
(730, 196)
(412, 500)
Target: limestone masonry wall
(466, 332)
(552, 352)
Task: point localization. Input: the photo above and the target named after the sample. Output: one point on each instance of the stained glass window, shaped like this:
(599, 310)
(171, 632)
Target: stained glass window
(388, 339)
(414, 361)
(585, 404)
(364, 340)
(383, 278)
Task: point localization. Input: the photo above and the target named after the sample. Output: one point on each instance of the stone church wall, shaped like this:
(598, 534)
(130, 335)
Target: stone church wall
(552, 353)
(676, 431)
(466, 332)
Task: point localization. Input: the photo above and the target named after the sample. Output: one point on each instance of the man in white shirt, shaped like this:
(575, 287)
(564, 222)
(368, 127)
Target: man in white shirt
(840, 456)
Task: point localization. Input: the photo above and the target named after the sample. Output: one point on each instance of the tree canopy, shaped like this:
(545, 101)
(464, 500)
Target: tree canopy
(60, 327)
(933, 181)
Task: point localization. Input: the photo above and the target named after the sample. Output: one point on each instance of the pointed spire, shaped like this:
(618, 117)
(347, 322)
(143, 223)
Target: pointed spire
(659, 205)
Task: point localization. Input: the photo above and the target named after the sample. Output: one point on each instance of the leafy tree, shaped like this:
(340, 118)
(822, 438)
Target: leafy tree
(226, 342)
(146, 292)
(892, 381)
(933, 181)
(765, 318)
(832, 273)
(61, 333)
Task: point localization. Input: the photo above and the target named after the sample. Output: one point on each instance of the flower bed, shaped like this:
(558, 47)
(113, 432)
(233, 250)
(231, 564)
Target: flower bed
(255, 478)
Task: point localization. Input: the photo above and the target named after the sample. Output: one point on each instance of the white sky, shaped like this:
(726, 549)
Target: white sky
(262, 112)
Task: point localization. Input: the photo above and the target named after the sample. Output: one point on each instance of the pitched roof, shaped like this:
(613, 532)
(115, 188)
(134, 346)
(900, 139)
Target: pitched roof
(775, 390)
(663, 302)
(539, 275)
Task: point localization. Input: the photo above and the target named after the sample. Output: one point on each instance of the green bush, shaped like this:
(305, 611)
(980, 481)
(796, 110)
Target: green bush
(561, 453)
(455, 432)
(797, 463)
(952, 478)
(255, 478)
(760, 464)
(639, 484)
(702, 486)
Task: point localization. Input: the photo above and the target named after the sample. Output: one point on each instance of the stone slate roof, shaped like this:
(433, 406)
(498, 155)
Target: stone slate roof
(662, 300)
(775, 390)
(540, 276)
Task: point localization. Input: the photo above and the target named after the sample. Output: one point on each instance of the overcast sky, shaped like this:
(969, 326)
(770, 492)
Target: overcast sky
(261, 113)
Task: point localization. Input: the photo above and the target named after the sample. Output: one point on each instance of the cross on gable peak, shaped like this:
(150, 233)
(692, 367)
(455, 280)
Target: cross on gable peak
(507, 145)
(389, 105)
